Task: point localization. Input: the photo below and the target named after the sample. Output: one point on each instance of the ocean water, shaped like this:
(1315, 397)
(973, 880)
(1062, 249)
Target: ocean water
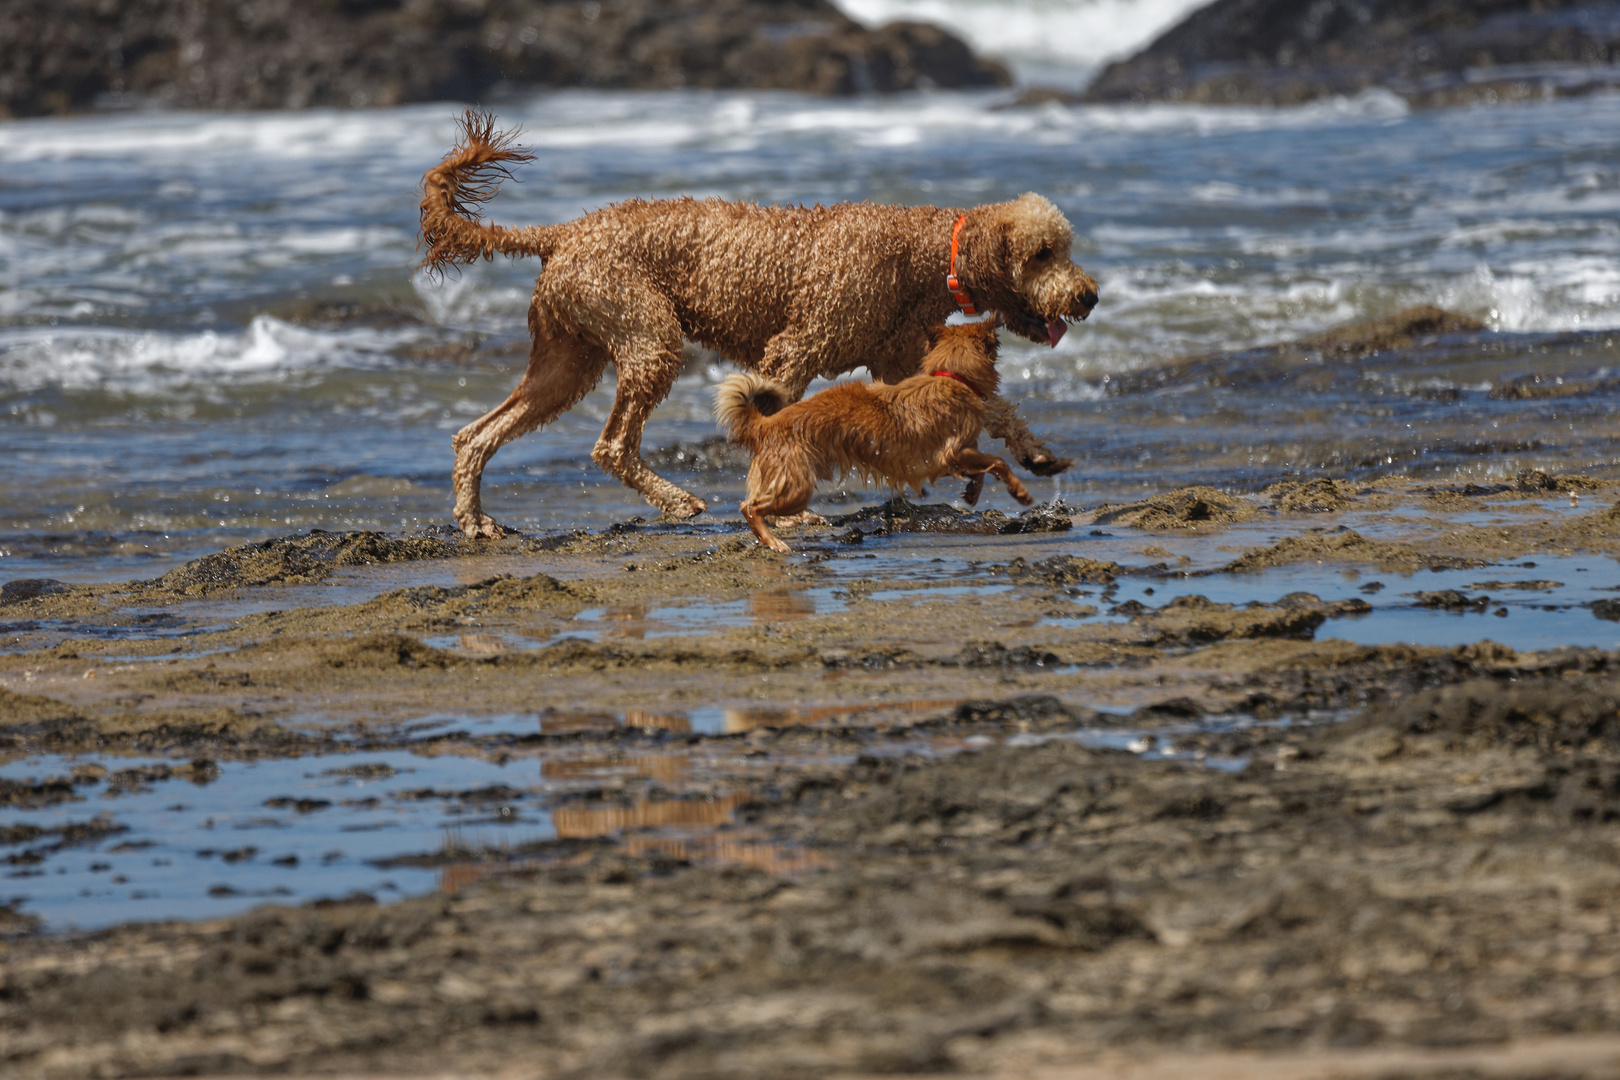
(212, 330)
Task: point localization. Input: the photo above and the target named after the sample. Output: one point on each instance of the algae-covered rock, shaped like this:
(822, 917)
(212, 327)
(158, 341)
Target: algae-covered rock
(1320, 496)
(1198, 508)
(1348, 546)
(298, 560)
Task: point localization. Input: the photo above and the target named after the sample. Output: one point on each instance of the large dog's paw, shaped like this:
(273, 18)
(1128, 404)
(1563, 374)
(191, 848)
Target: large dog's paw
(481, 527)
(1042, 463)
(681, 510)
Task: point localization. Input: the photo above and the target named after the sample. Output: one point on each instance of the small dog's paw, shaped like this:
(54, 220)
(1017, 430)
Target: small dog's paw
(777, 546)
(975, 485)
(1042, 463)
(1024, 498)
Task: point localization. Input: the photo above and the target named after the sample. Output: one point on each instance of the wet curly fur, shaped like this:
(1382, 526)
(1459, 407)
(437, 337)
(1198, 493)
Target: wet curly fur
(791, 292)
(907, 434)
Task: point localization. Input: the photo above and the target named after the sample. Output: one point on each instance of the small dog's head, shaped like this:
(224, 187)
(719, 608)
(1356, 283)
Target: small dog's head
(968, 350)
(1016, 262)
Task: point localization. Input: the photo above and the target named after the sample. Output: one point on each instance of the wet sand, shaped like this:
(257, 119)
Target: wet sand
(1328, 768)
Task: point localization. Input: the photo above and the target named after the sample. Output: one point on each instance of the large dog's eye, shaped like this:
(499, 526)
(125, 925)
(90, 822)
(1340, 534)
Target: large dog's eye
(1043, 254)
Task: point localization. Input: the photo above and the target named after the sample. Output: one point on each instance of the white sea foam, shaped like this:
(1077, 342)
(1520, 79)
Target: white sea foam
(1207, 227)
(153, 362)
(194, 138)
(1033, 34)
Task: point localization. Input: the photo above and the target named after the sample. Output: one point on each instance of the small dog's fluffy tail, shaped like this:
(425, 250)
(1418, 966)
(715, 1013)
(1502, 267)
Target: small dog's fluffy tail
(454, 188)
(742, 401)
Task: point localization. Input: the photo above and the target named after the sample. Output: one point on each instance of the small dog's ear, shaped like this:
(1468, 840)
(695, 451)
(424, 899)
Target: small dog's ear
(933, 333)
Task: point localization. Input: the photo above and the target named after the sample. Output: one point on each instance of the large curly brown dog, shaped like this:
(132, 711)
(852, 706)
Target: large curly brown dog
(908, 434)
(792, 292)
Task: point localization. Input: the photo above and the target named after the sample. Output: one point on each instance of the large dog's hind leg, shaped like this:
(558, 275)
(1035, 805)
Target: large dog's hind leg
(562, 369)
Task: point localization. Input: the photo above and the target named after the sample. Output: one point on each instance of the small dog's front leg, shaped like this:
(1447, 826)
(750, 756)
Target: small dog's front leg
(1001, 421)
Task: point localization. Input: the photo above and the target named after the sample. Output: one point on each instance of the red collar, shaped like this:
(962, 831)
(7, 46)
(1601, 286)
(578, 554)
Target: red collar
(952, 282)
(953, 375)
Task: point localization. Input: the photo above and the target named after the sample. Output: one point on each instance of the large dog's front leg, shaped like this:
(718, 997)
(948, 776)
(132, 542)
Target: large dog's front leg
(1001, 421)
(645, 378)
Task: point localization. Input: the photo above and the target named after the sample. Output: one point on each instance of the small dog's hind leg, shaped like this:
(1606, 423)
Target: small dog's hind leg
(779, 487)
(756, 522)
(964, 462)
(562, 369)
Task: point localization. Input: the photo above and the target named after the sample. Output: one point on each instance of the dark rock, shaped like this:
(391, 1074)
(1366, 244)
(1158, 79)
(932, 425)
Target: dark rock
(59, 56)
(1554, 714)
(1055, 516)
(1064, 570)
(1430, 52)
(1310, 362)
(17, 590)
(897, 515)
(993, 654)
(1452, 600)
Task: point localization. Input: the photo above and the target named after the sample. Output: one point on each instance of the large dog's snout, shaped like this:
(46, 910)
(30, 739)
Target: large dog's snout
(1085, 298)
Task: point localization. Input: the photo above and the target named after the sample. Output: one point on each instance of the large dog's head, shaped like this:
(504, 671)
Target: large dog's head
(1015, 261)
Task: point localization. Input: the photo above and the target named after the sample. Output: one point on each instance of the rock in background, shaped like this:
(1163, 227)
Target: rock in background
(59, 56)
(1431, 52)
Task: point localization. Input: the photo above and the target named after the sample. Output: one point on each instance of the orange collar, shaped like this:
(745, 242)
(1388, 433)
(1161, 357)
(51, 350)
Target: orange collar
(958, 378)
(952, 282)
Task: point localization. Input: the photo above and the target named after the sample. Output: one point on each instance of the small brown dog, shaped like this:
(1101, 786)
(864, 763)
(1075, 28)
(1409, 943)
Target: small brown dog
(907, 433)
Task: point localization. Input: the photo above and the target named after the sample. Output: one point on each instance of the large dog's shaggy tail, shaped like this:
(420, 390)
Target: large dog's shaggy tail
(454, 188)
(742, 401)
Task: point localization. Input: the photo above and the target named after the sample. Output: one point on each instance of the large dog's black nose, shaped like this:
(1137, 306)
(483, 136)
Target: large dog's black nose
(1089, 298)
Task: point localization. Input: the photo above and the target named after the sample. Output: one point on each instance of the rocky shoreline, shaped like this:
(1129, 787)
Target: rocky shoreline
(1313, 779)
(58, 58)
(983, 800)
(73, 55)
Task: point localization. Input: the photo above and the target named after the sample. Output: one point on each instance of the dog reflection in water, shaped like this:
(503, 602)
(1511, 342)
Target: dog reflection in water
(907, 434)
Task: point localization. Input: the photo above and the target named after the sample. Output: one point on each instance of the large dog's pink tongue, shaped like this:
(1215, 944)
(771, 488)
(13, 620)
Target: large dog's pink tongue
(1055, 329)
